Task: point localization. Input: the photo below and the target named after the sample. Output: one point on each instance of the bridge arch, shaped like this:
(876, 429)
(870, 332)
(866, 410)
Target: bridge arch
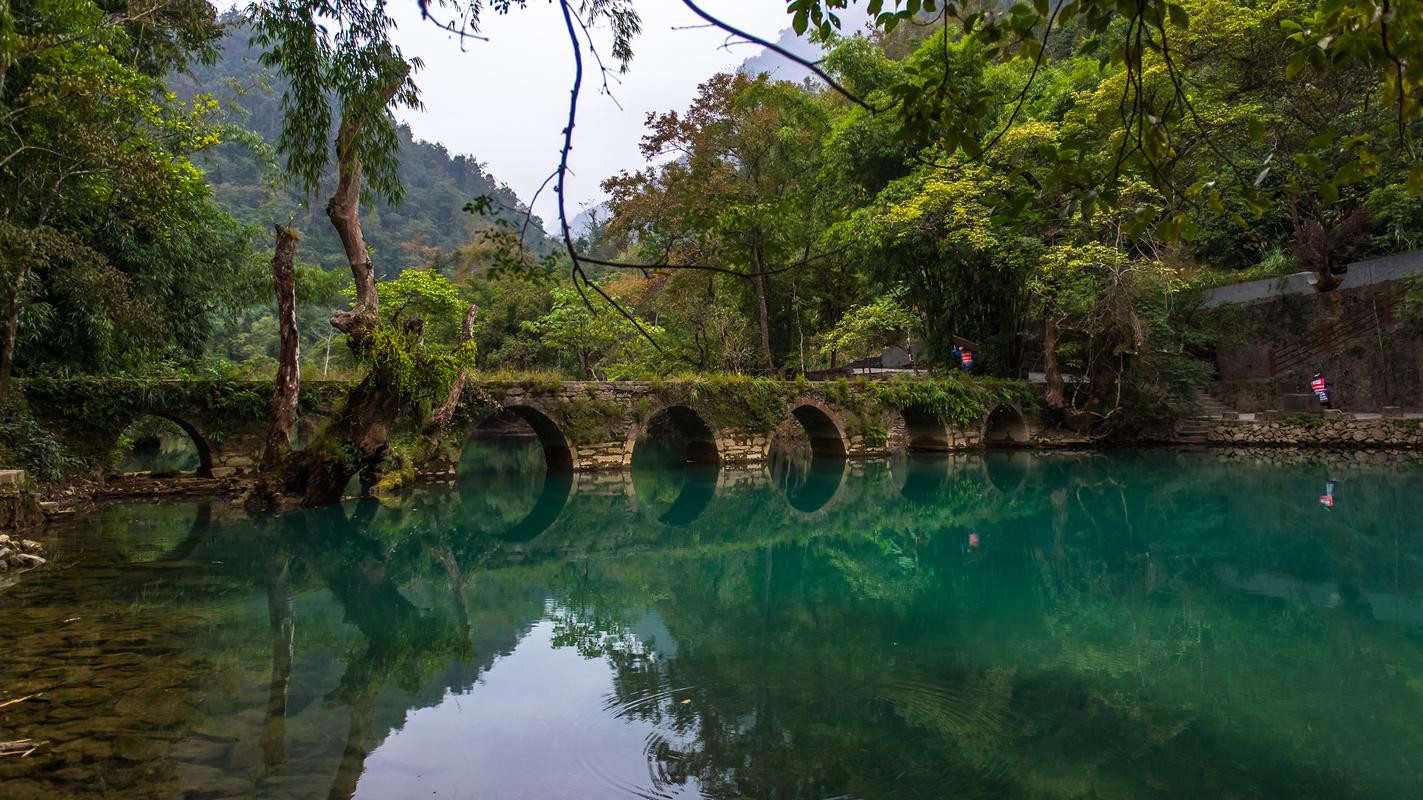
(548, 492)
(676, 423)
(827, 436)
(200, 441)
(925, 431)
(1006, 426)
(559, 453)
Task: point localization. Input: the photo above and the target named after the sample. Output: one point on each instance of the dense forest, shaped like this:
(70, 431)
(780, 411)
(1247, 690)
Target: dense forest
(1050, 181)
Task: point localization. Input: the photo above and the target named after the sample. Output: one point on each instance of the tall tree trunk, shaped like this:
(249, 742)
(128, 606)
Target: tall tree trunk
(362, 431)
(1056, 392)
(355, 442)
(446, 411)
(12, 327)
(758, 281)
(284, 394)
(344, 211)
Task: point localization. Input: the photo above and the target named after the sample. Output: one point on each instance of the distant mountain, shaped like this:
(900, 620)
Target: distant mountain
(437, 184)
(584, 221)
(780, 68)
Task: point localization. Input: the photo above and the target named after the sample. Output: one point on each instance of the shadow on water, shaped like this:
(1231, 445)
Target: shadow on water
(1161, 625)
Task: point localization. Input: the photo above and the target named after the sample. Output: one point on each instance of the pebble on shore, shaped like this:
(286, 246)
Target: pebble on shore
(19, 553)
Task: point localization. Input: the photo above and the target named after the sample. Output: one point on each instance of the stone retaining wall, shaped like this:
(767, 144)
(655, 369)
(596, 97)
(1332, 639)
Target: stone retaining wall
(1300, 431)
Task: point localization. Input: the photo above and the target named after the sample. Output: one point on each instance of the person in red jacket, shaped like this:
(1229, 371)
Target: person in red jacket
(1320, 387)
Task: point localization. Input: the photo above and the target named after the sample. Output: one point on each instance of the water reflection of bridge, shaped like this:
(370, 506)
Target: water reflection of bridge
(404, 606)
(795, 491)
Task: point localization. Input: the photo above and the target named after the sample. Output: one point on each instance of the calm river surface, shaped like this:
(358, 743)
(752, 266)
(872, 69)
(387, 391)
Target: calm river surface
(1132, 625)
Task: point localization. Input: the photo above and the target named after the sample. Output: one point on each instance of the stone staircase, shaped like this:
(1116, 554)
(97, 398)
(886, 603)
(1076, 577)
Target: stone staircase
(1196, 430)
(1193, 431)
(1211, 407)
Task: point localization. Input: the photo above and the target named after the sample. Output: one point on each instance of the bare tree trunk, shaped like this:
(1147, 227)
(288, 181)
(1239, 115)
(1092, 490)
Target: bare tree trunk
(759, 282)
(1056, 392)
(446, 411)
(12, 328)
(284, 394)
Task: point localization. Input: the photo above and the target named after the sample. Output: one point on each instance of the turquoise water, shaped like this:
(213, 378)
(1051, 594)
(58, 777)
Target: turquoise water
(1124, 625)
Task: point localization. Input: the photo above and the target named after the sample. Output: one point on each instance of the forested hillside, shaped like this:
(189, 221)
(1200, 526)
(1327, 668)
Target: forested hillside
(245, 174)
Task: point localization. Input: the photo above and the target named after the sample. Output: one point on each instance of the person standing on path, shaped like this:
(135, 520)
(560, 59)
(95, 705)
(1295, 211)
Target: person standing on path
(1320, 387)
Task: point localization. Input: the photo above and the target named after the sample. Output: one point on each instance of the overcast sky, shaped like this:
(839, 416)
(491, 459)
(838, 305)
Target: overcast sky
(504, 101)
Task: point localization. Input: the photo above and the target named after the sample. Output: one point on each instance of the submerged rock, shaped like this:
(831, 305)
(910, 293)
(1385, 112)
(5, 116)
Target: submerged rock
(19, 553)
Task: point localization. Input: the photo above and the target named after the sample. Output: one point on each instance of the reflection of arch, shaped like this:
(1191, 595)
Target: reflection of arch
(548, 505)
(1005, 427)
(826, 438)
(514, 472)
(678, 423)
(698, 489)
(200, 441)
(1007, 471)
(558, 453)
(809, 485)
(924, 477)
(924, 430)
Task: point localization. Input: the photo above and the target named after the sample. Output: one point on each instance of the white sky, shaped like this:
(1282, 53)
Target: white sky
(504, 101)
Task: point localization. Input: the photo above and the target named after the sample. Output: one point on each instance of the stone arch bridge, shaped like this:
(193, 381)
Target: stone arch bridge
(583, 426)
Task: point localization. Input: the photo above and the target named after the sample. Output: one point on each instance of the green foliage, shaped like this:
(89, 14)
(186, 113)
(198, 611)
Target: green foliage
(113, 248)
(398, 363)
(27, 445)
(865, 329)
(1410, 307)
(1310, 422)
(595, 338)
(427, 295)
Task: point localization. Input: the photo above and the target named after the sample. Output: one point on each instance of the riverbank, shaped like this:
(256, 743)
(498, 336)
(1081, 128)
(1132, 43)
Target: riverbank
(1333, 429)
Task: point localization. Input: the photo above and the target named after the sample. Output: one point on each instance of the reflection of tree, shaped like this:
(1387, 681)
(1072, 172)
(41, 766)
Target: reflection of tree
(403, 646)
(283, 623)
(884, 661)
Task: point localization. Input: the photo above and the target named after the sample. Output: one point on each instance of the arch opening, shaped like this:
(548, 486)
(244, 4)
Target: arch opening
(806, 458)
(674, 465)
(826, 441)
(1005, 427)
(160, 444)
(515, 474)
(676, 434)
(924, 431)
